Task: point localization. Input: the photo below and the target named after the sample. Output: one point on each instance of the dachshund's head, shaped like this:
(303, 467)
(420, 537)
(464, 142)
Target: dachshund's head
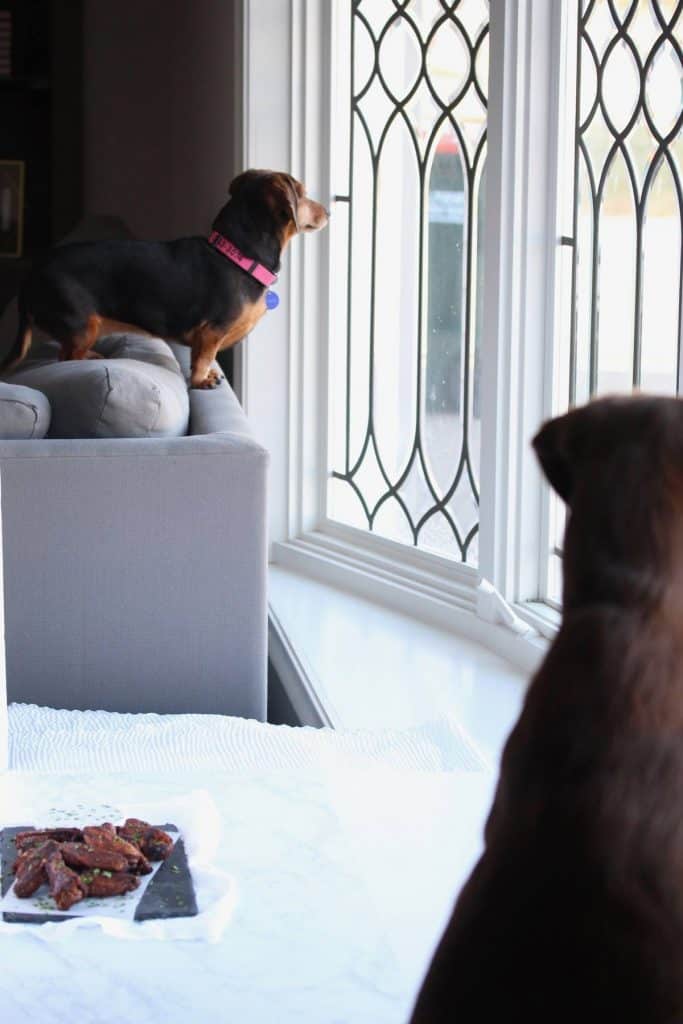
(275, 201)
(618, 464)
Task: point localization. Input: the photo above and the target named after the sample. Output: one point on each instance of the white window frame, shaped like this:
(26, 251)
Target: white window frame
(282, 371)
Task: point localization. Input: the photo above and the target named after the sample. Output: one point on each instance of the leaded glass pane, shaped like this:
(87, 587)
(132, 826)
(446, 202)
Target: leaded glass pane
(405, 375)
(625, 294)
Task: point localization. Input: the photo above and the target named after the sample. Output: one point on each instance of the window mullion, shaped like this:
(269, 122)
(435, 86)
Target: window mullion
(521, 249)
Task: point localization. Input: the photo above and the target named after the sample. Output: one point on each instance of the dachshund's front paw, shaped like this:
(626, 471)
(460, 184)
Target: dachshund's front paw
(68, 355)
(211, 381)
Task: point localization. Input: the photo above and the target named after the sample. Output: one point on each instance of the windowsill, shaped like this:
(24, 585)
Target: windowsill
(349, 662)
(542, 617)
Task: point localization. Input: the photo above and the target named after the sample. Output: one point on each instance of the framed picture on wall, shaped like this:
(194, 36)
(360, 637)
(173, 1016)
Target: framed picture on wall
(12, 173)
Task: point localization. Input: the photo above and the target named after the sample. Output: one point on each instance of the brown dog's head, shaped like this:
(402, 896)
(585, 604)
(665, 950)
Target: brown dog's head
(618, 464)
(275, 201)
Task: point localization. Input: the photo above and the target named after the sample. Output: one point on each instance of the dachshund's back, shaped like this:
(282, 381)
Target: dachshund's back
(162, 287)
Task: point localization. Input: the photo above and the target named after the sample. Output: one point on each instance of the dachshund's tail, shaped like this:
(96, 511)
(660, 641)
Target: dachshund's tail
(22, 341)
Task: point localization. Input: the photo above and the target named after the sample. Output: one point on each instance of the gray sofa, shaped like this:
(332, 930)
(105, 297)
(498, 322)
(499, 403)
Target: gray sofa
(135, 567)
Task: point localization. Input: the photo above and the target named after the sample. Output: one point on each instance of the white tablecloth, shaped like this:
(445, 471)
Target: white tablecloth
(346, 869)
(45, 739)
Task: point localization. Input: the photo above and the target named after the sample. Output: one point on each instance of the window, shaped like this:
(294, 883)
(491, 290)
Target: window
(409, 177)
(506, 241)
(621, 261)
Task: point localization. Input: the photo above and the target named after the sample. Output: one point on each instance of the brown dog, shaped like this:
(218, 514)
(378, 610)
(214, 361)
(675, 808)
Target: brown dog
(206, 292)
(574, 913)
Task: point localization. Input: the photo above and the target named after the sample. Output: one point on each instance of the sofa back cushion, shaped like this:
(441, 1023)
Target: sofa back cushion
(24, 413)
(136, 390)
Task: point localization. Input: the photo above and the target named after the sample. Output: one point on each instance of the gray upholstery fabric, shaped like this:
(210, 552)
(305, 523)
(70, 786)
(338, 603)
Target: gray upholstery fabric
(143, 347)
(24, 413)
(137, 390)
(135, 573)
(212, 410)
(135, 568)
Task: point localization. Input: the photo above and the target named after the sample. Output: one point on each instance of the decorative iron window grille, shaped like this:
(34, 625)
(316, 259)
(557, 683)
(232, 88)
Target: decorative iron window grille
(623, 277)
(405, 359)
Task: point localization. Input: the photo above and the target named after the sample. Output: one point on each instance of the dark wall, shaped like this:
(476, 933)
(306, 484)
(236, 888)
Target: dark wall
(41, 119)
(67, 115)
(25, 114)
(123, 107)
(160, 102)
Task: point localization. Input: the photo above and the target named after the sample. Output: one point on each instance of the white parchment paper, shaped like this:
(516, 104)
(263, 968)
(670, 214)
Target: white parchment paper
(198, 822)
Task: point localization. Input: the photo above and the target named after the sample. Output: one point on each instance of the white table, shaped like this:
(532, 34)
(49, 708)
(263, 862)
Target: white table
(345, 874)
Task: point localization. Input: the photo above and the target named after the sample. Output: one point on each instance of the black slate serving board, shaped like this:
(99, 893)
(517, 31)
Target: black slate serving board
(169, 894)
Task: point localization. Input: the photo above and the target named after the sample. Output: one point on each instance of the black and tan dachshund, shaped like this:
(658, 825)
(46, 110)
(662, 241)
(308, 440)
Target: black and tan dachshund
(574, 912)
(205, 292)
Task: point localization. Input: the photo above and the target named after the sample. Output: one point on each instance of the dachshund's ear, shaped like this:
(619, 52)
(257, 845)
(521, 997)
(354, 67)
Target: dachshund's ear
(553, 447)
(284, 200)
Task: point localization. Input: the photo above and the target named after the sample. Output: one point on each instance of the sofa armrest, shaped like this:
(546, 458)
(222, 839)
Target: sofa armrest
(215, 409)
(135, 573)
(218, 411)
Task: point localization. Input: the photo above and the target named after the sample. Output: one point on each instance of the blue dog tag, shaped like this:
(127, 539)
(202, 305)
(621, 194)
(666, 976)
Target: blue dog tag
(272, 300)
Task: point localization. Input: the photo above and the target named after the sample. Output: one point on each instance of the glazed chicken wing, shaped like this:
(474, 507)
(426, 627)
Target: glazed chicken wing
(33, 837)
(154, 842)
(81, 855)
(29, 868)
(104, 837)
(66, 887)
(108, 883)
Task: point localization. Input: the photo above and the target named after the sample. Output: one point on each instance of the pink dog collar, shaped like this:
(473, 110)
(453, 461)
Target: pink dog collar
(253, 267)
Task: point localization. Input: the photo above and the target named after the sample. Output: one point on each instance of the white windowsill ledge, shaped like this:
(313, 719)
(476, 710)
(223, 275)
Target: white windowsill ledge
(352, 663)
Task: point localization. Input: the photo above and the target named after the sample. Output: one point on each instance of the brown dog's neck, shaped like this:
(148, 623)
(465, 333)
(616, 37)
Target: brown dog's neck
(628, 555)
(624, 586)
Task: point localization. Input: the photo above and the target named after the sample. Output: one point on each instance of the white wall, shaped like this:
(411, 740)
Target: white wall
(160, 122)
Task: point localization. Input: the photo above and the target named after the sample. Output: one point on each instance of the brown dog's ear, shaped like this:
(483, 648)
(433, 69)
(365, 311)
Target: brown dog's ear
(552, 447)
